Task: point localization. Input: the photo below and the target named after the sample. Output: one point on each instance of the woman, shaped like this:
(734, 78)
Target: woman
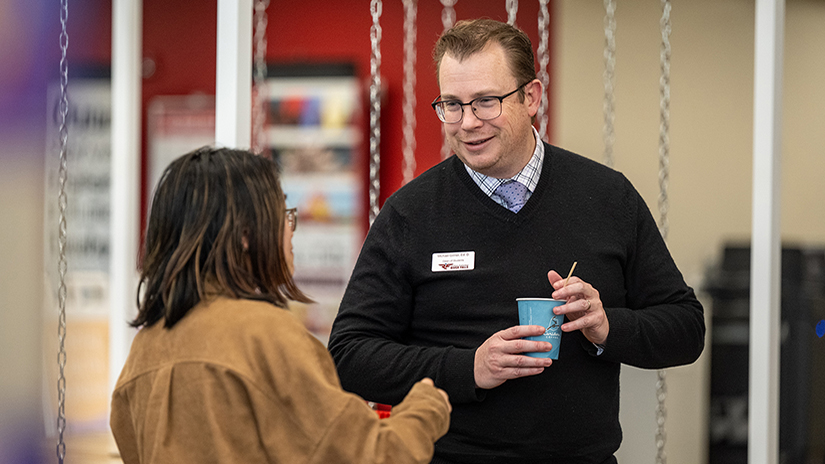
(219, 371)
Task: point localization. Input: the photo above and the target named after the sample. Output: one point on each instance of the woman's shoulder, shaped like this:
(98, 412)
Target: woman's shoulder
(249, 316)
(238, 336)
(252, 332)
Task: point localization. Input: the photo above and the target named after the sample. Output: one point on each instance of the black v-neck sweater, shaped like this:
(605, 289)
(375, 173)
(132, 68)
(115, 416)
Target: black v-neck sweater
(399, 321)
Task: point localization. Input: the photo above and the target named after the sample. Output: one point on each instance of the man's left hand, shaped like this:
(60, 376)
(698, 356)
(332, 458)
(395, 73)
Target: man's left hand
(583, 309)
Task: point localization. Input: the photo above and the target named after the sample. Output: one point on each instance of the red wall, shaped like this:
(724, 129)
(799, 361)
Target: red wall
(180, 38)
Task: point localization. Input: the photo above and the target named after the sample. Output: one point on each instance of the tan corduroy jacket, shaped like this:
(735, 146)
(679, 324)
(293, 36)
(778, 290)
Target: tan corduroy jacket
(240, 381)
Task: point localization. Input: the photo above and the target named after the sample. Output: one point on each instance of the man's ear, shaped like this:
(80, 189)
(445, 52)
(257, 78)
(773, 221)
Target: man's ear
(532, 96)
(245, 241)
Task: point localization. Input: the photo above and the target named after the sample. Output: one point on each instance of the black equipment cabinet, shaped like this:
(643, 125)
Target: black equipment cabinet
(802, 357)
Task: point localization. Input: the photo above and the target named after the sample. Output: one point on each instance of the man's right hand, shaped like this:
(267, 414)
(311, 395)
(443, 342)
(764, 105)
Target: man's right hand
(500, 357)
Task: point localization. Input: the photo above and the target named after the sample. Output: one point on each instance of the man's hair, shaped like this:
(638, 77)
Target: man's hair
(216, 225)
(471, 36)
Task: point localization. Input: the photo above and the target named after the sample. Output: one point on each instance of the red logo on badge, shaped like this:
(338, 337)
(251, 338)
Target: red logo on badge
(445, 265)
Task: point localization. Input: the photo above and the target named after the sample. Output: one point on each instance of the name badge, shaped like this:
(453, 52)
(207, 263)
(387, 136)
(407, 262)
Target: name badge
(457, 261)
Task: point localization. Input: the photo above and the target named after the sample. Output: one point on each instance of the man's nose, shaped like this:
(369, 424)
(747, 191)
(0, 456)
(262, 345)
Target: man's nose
(469, 118)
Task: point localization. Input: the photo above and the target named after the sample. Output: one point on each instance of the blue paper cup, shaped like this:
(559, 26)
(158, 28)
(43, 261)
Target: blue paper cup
(539, 311)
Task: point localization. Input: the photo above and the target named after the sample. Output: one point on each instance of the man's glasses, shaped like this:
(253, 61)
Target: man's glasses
(292, 218)
(484, 108)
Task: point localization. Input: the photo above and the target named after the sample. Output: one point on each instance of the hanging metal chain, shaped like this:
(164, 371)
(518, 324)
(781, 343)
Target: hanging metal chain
(375, 108)
(408, 148)
(512, 10)
(661, 417)
(259, 109)
(609, 134)
(447, 20)
(62, 202)
(664, 118)
(448, 13)
(664, 174)
(544, 59)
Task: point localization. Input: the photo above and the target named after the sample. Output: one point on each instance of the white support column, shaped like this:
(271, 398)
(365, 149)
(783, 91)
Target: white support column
(127, 42)
(765, 324)
(233, 89)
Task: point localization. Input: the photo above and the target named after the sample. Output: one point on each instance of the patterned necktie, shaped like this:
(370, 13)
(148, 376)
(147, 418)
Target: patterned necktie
(513, 194)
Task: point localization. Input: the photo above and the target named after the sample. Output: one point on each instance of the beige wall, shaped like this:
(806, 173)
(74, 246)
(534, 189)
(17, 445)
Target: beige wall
(21, 278)
(711, 153)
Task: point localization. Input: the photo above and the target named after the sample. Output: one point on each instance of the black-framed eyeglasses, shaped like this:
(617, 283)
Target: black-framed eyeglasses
(484, 108)
(292, 218)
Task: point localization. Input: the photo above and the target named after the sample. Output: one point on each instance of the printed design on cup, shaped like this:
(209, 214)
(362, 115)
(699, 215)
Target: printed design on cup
(554, 323)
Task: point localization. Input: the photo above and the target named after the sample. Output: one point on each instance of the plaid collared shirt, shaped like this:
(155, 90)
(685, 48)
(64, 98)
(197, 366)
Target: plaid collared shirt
(529, 175)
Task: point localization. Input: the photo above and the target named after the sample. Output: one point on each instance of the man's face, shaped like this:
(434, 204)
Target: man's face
(498, 147)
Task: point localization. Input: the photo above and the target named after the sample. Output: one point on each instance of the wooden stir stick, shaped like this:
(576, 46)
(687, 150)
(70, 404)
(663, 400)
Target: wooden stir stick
(569, 274)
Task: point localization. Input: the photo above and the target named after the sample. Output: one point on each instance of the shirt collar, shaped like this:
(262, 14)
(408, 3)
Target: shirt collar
(529, 174)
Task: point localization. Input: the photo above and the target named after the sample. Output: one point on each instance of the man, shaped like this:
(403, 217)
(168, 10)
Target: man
(433, 292)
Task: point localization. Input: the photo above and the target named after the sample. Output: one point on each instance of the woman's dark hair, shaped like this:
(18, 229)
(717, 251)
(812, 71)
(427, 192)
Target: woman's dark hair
(216, 225)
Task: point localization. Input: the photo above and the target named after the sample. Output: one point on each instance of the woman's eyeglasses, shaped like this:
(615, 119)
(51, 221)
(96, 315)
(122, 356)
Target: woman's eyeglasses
(292, 218)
